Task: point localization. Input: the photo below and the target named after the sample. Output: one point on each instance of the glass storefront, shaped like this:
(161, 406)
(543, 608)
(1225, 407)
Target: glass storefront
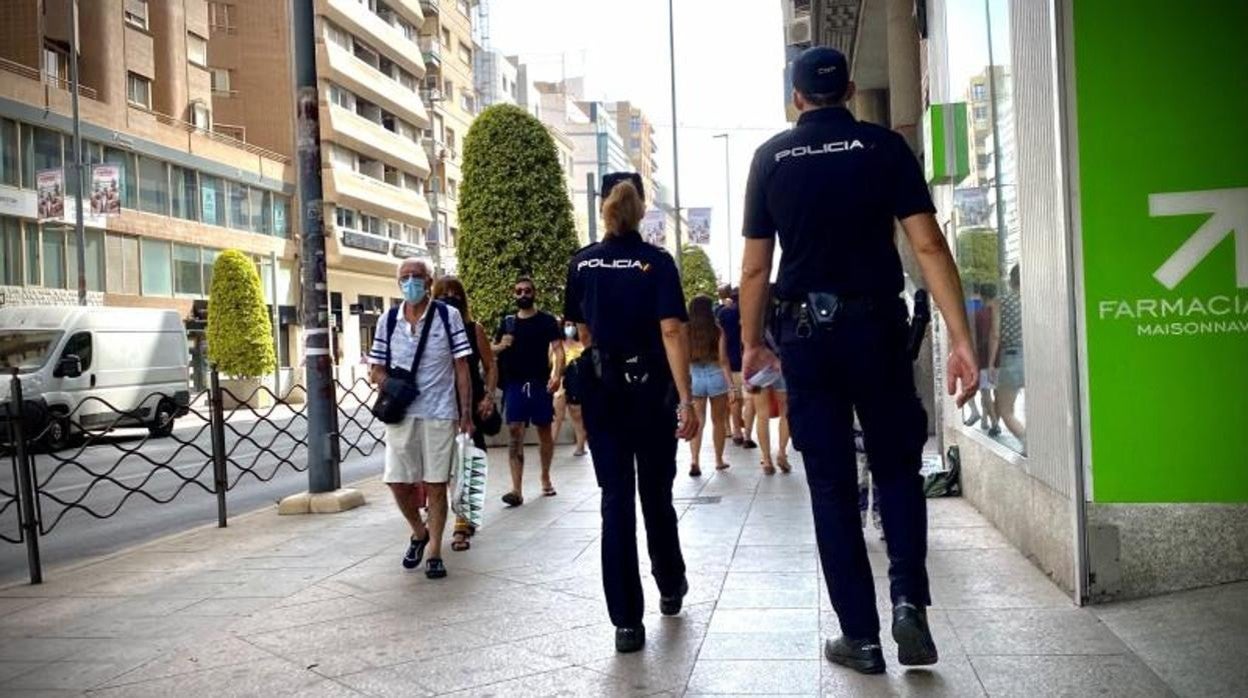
(986, 229)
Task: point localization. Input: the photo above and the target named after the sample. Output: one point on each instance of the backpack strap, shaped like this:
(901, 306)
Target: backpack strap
(392, 319)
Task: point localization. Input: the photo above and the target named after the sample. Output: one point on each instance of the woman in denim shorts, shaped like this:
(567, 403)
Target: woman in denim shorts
(712, 379)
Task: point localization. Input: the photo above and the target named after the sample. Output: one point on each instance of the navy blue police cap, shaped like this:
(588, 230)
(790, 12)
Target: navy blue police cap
(611, 179)
(821, 70)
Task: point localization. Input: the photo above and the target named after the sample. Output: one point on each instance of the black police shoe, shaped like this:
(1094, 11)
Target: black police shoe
(670, 605)
(863, 656)
(915, 646)
(435, 568)
(630, 639)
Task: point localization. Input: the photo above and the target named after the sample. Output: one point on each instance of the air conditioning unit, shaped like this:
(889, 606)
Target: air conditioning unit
(798, 32)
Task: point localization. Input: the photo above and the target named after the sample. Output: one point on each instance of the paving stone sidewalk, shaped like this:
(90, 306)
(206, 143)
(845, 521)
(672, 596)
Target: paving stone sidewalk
(319, 606)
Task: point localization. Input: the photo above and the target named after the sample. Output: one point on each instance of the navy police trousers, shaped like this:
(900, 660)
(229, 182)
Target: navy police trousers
(860, 364)
(632, 437)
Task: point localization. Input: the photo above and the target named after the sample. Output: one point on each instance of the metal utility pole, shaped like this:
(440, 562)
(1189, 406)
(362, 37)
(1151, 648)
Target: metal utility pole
(671, 38)
(727, 201)
(275, 316)
(79, 228)
(323, 473)
(591, 210)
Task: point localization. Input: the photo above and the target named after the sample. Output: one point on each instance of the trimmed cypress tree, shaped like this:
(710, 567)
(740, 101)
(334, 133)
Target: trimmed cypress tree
(240, 333)
(515, 217)
(697, 276)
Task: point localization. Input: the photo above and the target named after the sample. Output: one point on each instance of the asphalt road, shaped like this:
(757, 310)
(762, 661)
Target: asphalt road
(122, 455)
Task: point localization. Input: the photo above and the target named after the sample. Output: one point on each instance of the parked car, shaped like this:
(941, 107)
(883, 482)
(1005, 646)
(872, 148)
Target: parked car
(95, 368)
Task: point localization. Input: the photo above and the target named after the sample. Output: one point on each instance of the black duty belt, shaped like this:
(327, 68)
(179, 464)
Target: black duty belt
(824, 307)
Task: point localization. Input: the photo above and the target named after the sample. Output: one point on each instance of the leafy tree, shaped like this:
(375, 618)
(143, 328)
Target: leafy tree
(240, 333)
(515, 217)
(697, 276)
(977, 256)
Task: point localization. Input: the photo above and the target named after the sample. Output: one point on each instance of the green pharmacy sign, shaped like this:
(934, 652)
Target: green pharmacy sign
(1161, 102)
(947, 143)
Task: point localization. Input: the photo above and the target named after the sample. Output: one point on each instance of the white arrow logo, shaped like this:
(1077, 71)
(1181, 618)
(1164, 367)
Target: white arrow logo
(1230, 215)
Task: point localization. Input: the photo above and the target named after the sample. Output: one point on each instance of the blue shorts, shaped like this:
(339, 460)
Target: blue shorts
(708, 380)
(529, 403)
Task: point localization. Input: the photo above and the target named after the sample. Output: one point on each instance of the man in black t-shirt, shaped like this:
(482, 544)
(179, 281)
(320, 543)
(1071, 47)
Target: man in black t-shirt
(524, 345)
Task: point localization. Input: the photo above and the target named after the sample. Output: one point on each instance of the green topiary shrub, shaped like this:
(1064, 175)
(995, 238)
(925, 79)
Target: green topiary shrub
(977, 256)
(697, 276)
(240, 333)
(515, 217)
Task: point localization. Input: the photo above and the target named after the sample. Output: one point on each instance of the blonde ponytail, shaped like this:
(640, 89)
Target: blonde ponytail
(623, 209)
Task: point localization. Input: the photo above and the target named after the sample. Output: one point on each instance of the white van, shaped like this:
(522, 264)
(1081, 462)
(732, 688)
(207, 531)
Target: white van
(94, 368)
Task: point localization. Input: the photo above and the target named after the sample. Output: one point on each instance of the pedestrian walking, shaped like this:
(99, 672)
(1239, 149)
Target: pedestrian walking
(423, 342)
(1007, 350)
(568, 398)
(831, 189)
(626, 299)
(525, 344)
(711, 380)
(483, 375)
(741, 408)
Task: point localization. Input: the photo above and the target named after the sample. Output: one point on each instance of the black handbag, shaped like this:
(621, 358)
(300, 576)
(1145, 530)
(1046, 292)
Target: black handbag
(492, 423)
(398, 391)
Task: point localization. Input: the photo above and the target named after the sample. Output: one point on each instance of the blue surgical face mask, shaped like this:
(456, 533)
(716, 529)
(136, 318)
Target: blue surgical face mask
(413, 290)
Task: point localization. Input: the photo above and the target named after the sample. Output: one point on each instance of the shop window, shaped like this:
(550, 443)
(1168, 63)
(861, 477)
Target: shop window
(52, 253)
(8, 153)
(187, 270)
(122, 269)
(153, 186)
(129, 174)
(32, 255)
(94, 257)
(41, 150)
(261, 212)
(281, 216)
(211, 200)
(185, 194)
(157, 268)
(10, 251)
(240, 212)
(987, 233)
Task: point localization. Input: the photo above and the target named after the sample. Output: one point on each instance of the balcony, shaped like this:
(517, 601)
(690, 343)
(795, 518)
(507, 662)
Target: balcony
(380, 34)
(354, 190)
(431, 48)
(431, 8)
(334, 62)
(374, 140)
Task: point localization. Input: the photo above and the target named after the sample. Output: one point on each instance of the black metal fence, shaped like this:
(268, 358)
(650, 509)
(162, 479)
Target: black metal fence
(93, 459)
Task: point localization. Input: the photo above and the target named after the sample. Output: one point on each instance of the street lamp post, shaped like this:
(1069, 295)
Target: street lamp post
(727, 201)
(79, 179)
(671, 36)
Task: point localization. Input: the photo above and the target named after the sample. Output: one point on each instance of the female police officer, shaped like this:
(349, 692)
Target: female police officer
(626, 298)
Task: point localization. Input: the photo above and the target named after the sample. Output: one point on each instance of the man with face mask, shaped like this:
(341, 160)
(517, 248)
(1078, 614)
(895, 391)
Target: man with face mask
(424, 341)
(525, 344)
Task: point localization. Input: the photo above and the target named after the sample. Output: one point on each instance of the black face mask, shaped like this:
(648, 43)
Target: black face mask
(525, 302)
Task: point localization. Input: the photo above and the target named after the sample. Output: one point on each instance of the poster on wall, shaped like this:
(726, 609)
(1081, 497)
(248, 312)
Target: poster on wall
(105, 190)
(700, 226)
(654, 228)
(1163, 226)
(50, 186)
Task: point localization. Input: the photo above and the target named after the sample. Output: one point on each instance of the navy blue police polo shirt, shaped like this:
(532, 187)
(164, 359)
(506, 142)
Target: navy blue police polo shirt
(621, 288)
(830, 188)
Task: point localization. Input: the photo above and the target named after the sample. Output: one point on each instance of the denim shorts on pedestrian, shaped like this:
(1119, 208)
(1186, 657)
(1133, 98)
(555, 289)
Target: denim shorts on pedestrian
(529, 403)
(708, 380)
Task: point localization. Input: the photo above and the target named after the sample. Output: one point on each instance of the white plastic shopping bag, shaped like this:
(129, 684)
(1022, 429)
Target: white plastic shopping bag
(468, 481)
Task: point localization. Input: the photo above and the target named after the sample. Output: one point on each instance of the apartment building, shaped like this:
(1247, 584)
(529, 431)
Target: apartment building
(374, 166)
(186, 191)
(637, 132)
(450, 94)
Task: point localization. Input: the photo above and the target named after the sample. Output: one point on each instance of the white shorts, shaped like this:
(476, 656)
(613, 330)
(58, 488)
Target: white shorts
(419, 450)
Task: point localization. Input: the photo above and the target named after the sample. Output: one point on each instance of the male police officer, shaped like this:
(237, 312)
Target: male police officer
(831, 188)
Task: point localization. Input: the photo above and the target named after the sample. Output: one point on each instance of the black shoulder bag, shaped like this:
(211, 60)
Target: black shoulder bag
(399, 390)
